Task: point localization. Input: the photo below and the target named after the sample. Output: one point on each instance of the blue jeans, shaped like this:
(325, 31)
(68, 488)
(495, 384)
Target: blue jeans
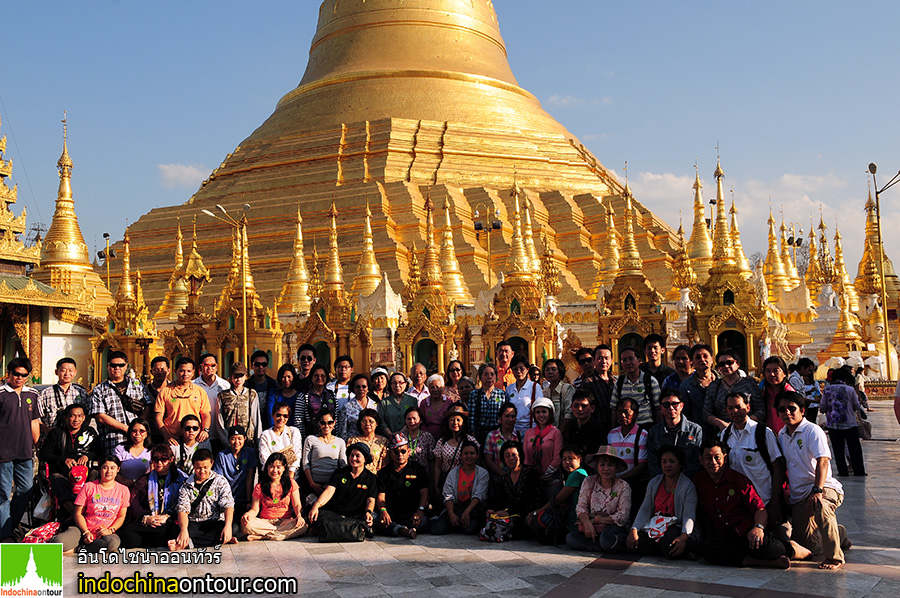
(12, 507)
(611, 539)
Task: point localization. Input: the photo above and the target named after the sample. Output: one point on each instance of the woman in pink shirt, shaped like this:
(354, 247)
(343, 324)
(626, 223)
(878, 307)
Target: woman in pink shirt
(99, 512)
(543, 447)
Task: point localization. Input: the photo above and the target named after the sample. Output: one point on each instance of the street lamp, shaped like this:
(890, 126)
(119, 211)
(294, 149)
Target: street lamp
(105, 255)
(487, 226)
(887, 329)
(241, 226)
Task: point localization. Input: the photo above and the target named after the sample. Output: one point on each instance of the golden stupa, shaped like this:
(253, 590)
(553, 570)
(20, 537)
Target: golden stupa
(400, 101)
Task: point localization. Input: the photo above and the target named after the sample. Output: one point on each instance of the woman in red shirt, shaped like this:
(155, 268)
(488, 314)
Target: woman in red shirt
(275, 511)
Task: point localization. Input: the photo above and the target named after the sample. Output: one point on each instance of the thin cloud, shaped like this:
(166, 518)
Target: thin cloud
(181, 175)
(570, 101)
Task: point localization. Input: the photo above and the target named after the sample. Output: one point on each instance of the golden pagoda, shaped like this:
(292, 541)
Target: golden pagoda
(790, 270)
(729, 314)
(846, 339)
(528, 240)
(549, 276)
(868, 274)
(416, 97)
(176, 298)
(189, 335)
(454, 283)
(414, 279)
(368, 274)
(737, 247)
(609, 268)
(815, 277)
(700, 244)
(683, 276)
(841, 280)
(295, 296)
(777, 280)
(64, 261)
(633, 306)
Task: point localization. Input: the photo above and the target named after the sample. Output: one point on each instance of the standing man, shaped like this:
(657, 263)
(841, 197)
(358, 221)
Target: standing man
(815, 494)
(116, 401)
(583, 431)
(180, 399)
(306, 359)
(239, 405)
(159, 374)
(638, 385)
(261, 382)
(340, 385)
(693, 389)
(715, 409)
(62, 394)
(505, 354)
(417, 388)
(20, 429)
(522, 393)
(654, 349)
(213, 384)
(602, 385)
(585, 358)
(675, 430)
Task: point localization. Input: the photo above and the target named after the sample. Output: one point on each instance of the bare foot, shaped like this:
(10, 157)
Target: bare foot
(800, 553)
(782, 562)
(412, 533)
(173, 545)
(253, 537)
(830, 565)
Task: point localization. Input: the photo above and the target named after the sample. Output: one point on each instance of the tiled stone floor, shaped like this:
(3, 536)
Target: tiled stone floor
(462, 567)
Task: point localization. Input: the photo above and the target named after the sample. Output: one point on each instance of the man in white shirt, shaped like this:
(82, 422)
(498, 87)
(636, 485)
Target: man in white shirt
(212, 384)
(763, 464)
(340, 385)
(522, 393)
(417, 388)
(815, 494)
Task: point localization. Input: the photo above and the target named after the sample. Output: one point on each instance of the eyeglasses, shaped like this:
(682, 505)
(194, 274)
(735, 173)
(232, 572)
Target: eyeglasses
(280, 416)
(260, 364)
(788, 408)
(727, 363)
(585, 361)
(454, 370)
(401, 451)
(670, 404)
(19, 374)
(344, 367)
(117, 365)
(191, 428)
(136, 431)
(306, 358)
(159, 459)
(329, 422)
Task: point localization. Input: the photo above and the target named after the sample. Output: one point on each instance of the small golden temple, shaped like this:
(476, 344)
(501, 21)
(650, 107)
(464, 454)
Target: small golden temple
(409, 202)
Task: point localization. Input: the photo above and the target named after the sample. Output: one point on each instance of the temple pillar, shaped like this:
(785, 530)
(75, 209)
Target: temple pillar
(442, 357)
(751, 352)
(615, 355)
(532, 352)
(34, 340)
(714, 343)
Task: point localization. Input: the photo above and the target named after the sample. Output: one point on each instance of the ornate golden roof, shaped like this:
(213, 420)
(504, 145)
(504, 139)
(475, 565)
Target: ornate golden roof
(700, 244)
(193, 267)
(683, 275)
(295, 296)
(176, 298)
(773, 270)
(368, 275)
(454, 284)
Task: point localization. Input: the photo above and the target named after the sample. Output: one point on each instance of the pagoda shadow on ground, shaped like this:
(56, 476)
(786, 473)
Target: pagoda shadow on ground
(457, 566)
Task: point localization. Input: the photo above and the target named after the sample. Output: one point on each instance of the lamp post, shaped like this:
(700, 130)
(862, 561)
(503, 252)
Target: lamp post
(487, 226)
(887, 328)
(241, 226)
(106, 255)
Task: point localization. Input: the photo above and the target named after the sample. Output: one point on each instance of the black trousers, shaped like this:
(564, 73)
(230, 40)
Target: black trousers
(206, 533)
(731, 549)
(650, 547)
(850, 438)
(137, 535)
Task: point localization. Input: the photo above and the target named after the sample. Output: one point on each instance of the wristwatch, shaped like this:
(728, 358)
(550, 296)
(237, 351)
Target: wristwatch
(421, 508)
(760, 526)
(206, 430)
(817, 490)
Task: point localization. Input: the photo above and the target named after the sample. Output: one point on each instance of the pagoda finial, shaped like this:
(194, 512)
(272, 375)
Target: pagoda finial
(739, 257)
(609, 267)
(454, 284)
(550, 284)
(315, 283)
(517, 265)
(699, 247)
(528, 239)
(176, 298)
(723, 251)
(683, 275)
(630, 259)
(773, 270)
(295, 295)
(814, 276)
(432, 267)
(414, 275)
(334, 274)
(368, 274)
(841, 279)
(126, 289)
(790, 270)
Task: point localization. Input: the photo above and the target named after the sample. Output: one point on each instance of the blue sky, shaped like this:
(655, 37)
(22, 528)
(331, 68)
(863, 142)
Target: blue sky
(799, 97)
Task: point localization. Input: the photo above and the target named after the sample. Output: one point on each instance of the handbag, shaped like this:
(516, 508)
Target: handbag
(341, 529)
(549, 527)
(497, 529)
(42, 534)
(864, 425)
(289, 455)
(658, 525)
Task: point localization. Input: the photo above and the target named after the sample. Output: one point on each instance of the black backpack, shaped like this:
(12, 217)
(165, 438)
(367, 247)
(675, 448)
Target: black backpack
(648, 392)
(760, 437)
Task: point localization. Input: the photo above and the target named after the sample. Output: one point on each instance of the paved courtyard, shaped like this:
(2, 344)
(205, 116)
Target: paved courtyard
(455, 566)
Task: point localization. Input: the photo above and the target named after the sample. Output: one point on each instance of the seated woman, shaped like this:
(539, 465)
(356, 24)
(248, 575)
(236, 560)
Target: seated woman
(134, 453)
(282, 438)
(366, 425)
(238, 465)
(68, 445)
(421, 443)
(152, 510)
(517, 493)
(604, 504)
(402, 493)
(188, 444)
(543, 445)
(205, 507)
(275, 511)
(665, 522)
(495, 439)
(448, 450)
(465, 492)
(556, 519)
(351, 490)
(100, 510)
(322, 454)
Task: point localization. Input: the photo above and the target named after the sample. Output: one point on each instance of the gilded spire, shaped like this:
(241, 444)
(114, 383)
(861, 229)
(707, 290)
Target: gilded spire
(846, 332)
(138, 289)
(630, 260)
(739, 258)
(126, 289)
(790, 270)
(454, 284)
(826, 263)
(517, 264)
(334, 274)
(528, 239)
(550, 284)
(814, 276)
(723, 252)
(868, 275)
(368, 275)
(176, 298)
(699, 246)
(414, 276)
(609, 267)
(315, 283)
(683, 276)
(773, 270)
(193, 269)
(432, 271)
(295, 295)
(841, 279)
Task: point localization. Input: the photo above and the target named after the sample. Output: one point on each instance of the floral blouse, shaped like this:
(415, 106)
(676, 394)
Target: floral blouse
(378, 448)
(446, 456)
(594, 499)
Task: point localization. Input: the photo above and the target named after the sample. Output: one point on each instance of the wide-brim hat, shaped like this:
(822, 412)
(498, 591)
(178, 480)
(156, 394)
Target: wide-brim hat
(456, 409)
(607, 451)
(363, 448)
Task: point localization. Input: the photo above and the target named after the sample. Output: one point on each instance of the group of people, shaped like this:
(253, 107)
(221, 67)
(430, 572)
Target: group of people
(699, 459)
